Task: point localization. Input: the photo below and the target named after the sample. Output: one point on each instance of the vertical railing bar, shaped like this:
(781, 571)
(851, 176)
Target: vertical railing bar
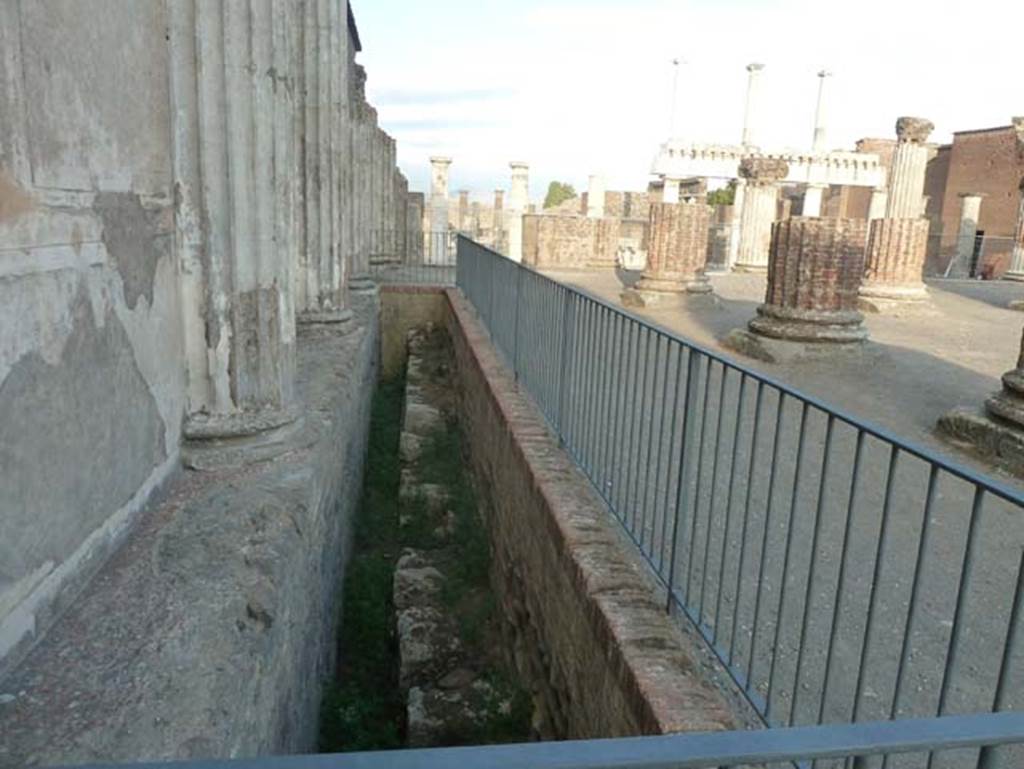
(599, 311)
(700, 477)
(826, 466)
(628, 390)
(601, 426)
(961, 597)
(755, 433)
(645, 468)
(723, 381)
(741, 404)
(837, 600)
(915, 588)
(611, 408)
(763, 566)
(631, 452)
(787, 554)
(638, 416)
(587, 377)
(568, 312)
(671, 452)
(880, 552)
(692, 365)
(515, 327)
(650, 499)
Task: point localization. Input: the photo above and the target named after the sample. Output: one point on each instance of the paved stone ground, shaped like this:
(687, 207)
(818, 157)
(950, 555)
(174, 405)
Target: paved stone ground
(734, 554)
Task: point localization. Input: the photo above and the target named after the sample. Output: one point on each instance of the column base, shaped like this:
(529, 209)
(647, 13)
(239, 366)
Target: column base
(809, 326)
(985, 436)
(362, 284)
(757, 269)
(645, 296)
(216, 441)
(325, 316)
(1014, 276)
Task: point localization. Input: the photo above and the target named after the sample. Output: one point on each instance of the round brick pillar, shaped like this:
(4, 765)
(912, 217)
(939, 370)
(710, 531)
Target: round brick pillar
(895, 260)
(677, 250)
(814, 270)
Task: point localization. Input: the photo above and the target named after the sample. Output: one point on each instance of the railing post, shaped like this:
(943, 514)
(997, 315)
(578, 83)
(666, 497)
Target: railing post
(568, 323)
(690, 407)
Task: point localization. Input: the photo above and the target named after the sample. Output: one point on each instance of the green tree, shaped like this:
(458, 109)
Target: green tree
(723, 196)
(558, 192)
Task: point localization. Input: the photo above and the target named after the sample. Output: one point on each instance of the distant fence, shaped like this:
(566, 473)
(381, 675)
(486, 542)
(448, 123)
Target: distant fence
(838, 573)
(425, 258)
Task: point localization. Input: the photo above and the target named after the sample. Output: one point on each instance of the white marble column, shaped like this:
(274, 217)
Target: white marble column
(818, 145)
(235, 174)
(970, 210)
(876, 208)
(738, 199)
(595, 196)
(759, 210)
(812, 199)
(519, 200)
(1016, 271)
(910, 160)
(753, 87)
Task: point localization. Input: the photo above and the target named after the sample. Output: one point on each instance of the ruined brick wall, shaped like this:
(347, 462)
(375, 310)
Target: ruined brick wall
(590, 641)
(936, 177)
(991, 162)
(568, 242)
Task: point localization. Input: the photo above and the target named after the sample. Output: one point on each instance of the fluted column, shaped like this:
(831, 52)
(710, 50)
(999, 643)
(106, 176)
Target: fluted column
(812, 199)
(498, 225)
(762, 177)
(670, 190)
(738, 199)
(753, 83)
(814, 271)
(235, 174)
(1016, 271)
(519, 198)
(909, 163)
(677, 250)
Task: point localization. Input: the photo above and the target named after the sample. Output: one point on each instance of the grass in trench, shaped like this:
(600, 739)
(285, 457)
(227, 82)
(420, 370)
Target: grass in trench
(363, 708)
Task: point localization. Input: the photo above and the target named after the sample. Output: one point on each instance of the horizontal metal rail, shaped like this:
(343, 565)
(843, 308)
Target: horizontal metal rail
(838, 572)
(676, 751)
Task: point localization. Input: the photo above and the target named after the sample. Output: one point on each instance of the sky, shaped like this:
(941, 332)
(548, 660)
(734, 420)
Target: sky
(580, 87)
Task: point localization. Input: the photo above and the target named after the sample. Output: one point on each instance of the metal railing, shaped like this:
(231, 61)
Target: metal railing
(715, 750)
(838, 573)
(414, 257)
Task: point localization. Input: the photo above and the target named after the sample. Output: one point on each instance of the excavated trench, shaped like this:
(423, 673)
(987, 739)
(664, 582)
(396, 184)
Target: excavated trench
(422, 656)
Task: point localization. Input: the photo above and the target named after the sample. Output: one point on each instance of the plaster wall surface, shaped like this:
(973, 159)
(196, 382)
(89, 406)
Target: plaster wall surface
(91, 383)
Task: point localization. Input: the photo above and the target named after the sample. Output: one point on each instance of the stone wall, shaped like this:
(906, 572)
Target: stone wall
(591, 639)
(569, 242)
(180, 190)
(213, 629)
(92, 391)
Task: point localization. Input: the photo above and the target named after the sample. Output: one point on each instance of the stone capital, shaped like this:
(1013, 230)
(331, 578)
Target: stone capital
(755, 67)
(764, 170)
(973, 194)
(914, 129)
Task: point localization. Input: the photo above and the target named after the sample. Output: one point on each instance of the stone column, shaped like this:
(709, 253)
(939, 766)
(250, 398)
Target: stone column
(753, 83)
(677, 251)
(670, 190)
(895, 263)
(438, 207)
(1016, 271)
(762, 175)
(235, 177)
(997, 433)
(498, 224)
(970, 209)
(814, 271)
(909, 162)
(519, 200)
(463, 210)
(595, 197)
(323, 259)
(876, 208)
(818, 145)
(812, 199)
(738, 199)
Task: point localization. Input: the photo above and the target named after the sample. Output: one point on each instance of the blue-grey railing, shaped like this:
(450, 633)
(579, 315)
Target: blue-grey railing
(959, 736)
(838, 573)
(413, 257)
